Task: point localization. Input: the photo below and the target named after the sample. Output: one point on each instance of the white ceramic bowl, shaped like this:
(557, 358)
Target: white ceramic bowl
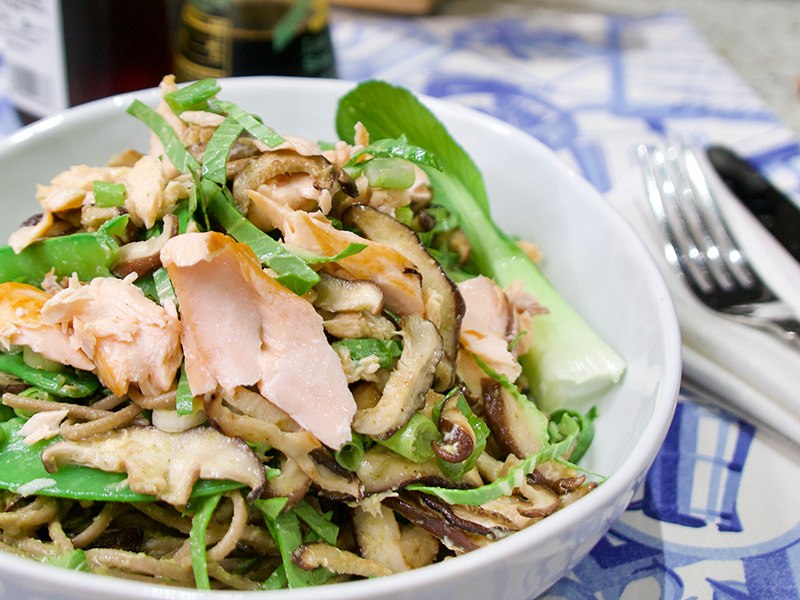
(592, 256)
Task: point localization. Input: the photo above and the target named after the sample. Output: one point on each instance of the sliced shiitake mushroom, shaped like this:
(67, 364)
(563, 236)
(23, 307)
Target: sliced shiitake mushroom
(383, 470)
(276, 163)
(290, 483)
(143, 257)
(93, 216)
(508, 421)
(250, 416)
(380, 227)
(377, 535)
(558, 477)
(340, 295)
(473, 519)
(453, 537)
(361, 324)
(400, 547)
(408, 384)
(418, 546)
(165, 465)
(319, 554)
(458, 438)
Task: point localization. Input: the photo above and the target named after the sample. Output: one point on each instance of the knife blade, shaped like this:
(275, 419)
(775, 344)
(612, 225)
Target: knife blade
(773, 208)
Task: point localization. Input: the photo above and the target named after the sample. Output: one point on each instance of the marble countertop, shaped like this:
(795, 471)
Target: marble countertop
(759, 38)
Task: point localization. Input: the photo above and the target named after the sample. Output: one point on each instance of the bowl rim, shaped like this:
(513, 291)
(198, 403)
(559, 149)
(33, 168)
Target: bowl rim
(627, 477)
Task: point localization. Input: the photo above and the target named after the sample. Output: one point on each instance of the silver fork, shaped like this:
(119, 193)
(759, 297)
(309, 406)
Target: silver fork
(699, 246)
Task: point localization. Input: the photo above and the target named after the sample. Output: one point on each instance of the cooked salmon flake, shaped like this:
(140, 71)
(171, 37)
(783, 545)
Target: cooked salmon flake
(240, 327)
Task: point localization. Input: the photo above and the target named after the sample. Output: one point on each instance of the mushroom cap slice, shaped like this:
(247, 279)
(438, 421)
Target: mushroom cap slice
(162, 464)
(408, 385)
(453, 537)
(449, 308)
(378, 537)
(144, 256)
(382, 470)
(250, 416)
(318, 554)
(518, 428)
(458, 438)
(276, 163)
(338, 295)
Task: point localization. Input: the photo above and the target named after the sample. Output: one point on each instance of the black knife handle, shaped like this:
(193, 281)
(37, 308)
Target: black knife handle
(770, 206)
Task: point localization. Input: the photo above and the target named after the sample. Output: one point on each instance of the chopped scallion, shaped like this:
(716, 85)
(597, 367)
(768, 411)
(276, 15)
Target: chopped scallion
(413, 440)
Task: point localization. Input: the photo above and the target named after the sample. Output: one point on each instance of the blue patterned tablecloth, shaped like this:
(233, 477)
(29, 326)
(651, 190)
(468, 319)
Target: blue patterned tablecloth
(718, 516)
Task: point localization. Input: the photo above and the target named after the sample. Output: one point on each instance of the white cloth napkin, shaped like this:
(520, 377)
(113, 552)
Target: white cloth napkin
(751, 371)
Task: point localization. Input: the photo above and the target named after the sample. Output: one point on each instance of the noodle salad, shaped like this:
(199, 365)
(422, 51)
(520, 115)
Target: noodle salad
(248, 360)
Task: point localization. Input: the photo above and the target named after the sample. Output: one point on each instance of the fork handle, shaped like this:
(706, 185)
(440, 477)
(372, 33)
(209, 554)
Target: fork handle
(787, 329)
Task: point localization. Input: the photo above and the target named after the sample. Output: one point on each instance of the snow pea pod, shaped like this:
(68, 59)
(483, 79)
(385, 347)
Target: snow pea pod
(21, 469)
(88, 255)
(76, 384)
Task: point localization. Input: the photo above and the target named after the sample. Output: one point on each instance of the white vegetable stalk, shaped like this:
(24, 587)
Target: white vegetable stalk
(567, 359)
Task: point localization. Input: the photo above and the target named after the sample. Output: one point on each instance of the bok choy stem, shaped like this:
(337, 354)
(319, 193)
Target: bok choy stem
(567, 358)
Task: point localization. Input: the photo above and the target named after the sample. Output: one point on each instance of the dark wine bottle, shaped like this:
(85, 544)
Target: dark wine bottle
(226, 38)
(61, 53)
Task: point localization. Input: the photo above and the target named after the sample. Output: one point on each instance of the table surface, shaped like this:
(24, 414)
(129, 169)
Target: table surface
(765, 51)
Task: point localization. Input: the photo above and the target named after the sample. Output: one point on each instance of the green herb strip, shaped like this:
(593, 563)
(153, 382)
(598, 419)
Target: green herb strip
(193, 97)
(197, 541)
(327, 531)
(292, 271)
(398, 148)
(285, 530)
(173, 148)
(251, 124)
(218, 148)
(360, 348)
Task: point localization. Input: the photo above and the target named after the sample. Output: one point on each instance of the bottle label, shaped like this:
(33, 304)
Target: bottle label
(34, 53)
(205, 45)
(281, 37)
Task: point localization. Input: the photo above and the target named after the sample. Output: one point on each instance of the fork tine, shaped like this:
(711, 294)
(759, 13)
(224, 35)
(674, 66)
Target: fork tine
(679, 248)
(695, 214)
(717, 230)
(698, 248)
